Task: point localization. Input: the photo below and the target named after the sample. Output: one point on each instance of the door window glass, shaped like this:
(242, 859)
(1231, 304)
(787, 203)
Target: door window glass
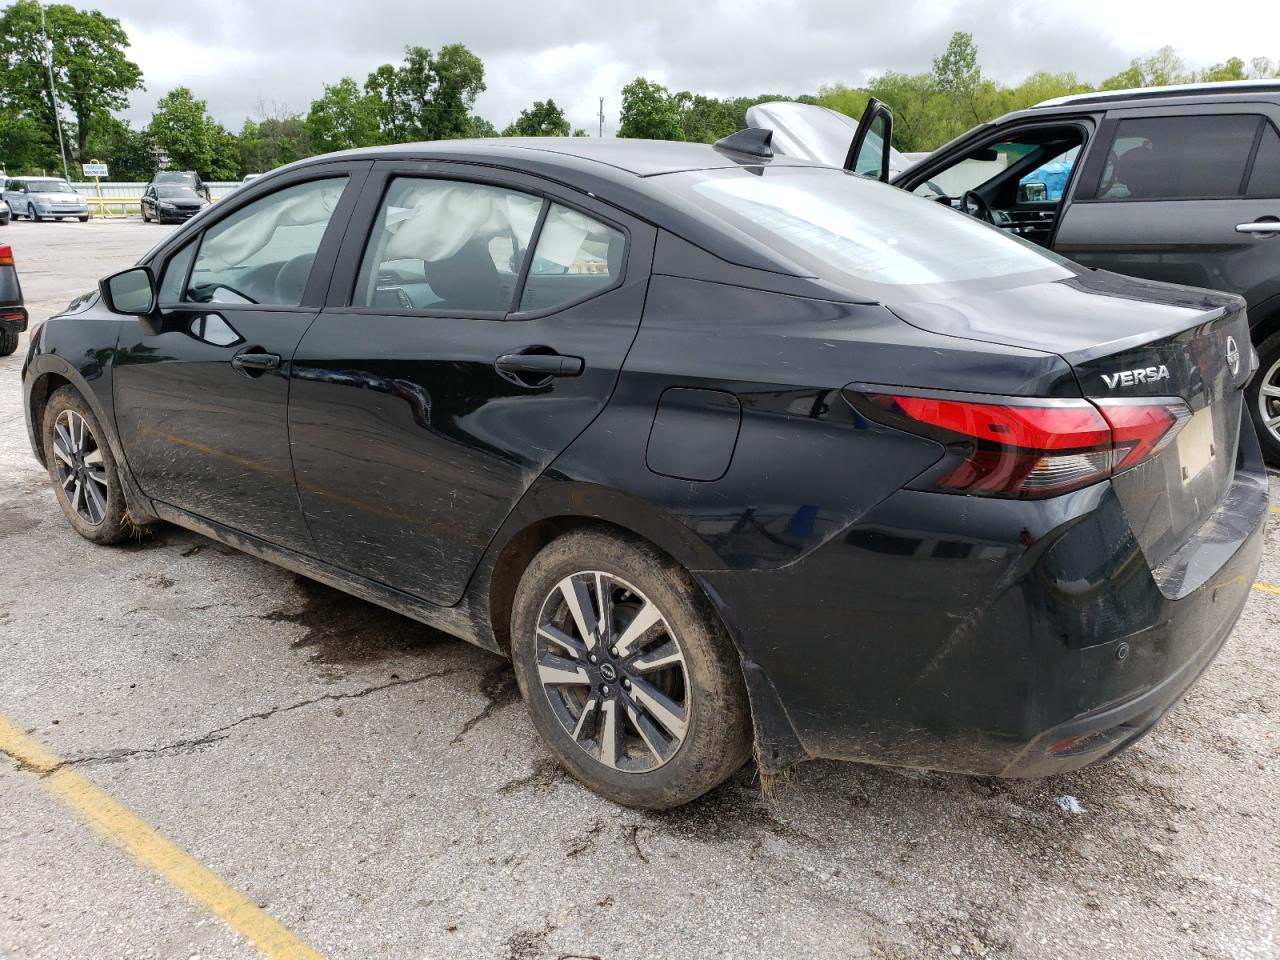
(1178, 158)
(575, 257)
(263, 253)
(1049, 180)
(445, 245)
(1264, 181)
(175, 273)
(870, 159)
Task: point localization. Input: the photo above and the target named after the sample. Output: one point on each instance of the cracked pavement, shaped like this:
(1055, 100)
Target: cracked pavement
(376, 787)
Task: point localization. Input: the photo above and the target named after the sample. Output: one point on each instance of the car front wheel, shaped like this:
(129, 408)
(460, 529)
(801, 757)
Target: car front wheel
(32, 215)
(83, 469)
(1263, 395)
(627, 671)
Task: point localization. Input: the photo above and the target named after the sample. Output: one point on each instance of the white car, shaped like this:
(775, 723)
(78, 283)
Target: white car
(44, 198)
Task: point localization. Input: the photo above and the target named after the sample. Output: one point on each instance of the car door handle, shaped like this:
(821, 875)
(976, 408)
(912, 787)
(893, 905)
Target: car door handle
(538, 365)
(1259, 226)
(254, 363)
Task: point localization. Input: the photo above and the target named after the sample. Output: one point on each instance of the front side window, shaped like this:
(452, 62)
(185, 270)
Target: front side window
(1178, 158)
(262, 254)
(1047, 156)
(576, 256)
(446, 245)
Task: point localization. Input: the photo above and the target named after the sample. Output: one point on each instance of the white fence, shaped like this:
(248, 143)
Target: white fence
(121, 189)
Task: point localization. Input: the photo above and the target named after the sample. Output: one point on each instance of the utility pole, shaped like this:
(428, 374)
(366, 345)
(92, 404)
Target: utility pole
(53, 94)
(602, 117)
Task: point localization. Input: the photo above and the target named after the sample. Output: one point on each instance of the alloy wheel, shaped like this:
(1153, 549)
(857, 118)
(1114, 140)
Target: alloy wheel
(1269, 400)
(81, 471)
(613, 671)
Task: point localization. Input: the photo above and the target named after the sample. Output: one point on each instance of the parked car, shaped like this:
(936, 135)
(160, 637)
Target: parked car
(13, 315)
(173, 202)
(1175, 183)
(5, 212)
(182, 178)
(44, 198)
(774, 457)
(248, 179)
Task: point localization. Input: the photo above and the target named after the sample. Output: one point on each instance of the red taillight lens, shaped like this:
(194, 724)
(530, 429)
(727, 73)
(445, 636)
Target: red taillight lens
(6, 255)
(1028, 450)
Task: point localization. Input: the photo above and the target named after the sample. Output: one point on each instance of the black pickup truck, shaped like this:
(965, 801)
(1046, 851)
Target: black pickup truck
(13, 315)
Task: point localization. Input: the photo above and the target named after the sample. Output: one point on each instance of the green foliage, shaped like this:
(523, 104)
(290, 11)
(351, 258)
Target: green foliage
(480, 127)
(191, 139)
(91, 74)
(1162, 68)
(649, 111)
(543, 119)
(429, 97)
(272, 142)
(343, 119)
(129, 154)
(704, 120)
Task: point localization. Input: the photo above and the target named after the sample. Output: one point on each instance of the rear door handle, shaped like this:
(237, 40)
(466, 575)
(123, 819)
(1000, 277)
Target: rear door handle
(254, 363)
(1259, 226)
(526, 366)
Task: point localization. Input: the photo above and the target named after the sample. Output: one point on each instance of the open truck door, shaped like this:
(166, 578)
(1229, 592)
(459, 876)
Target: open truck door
(821, 135)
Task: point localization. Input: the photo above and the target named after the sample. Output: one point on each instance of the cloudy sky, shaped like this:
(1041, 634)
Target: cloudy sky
(235, 54)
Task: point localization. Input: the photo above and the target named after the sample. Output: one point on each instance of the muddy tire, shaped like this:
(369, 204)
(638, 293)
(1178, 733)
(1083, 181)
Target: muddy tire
(83, 470)
(628, 673)
(1263, 397)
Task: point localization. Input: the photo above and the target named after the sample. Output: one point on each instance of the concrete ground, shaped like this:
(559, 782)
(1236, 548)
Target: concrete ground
(376, 787)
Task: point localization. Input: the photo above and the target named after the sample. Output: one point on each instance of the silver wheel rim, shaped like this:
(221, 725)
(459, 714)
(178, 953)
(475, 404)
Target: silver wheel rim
(613, 671)
(81, 473)
(1269, 400)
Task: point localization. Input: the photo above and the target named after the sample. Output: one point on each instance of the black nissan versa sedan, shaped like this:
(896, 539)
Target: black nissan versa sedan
(727, 451)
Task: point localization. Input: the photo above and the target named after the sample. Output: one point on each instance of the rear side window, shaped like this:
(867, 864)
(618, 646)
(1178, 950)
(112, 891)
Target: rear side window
(1264, 181)
(262, 254)
(575, 257)
(446, 245)
(1178, 158)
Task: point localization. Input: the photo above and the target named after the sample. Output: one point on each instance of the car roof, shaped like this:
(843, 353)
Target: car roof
(1213, 90)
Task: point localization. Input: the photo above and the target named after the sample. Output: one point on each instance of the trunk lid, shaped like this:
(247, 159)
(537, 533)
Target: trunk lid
(1128, 339)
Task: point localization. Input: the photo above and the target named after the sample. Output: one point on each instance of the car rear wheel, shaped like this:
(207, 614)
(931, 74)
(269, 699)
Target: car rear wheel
(8, 343)
(628, 674)
(83, 470)
(1264, 398)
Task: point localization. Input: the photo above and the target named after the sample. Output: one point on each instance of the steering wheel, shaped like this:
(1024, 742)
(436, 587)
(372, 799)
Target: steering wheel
(973, 204)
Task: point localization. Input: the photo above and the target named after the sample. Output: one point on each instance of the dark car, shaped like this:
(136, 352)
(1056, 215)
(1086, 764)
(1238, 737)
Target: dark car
(13, 315)
(182, 178)
(1176, 183)
(726, 451)
(171, 202)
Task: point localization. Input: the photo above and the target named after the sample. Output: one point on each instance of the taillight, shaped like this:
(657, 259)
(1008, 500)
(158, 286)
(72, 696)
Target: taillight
(1028, 449)
(6, 255)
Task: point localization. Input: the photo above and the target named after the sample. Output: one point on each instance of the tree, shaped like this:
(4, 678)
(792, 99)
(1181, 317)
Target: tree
(649, 111)
(956, 73)
(344, 118)
(279, 137)
(480, 127)
(129, 154)
(704, 120)
(1232, 69)
(428, 98)
(91, 73)
(182, 128)
(543, 119)
(1162, 68)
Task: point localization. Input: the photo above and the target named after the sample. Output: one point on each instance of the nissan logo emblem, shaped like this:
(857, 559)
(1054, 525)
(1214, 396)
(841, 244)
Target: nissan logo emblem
(1233, 355)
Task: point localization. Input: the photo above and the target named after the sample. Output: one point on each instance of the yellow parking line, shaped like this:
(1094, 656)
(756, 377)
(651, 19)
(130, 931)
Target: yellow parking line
(151, 848)
(1266, 587)
(1275, 509)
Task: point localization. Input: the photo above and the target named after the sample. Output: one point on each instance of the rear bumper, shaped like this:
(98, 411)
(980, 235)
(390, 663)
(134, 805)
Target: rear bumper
(13, 319)
(994, 637)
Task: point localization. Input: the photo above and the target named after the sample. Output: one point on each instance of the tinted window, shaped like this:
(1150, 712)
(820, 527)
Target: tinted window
(1264, 181)
(263, 252)
(1178, 158)
(446, 245)
(175, 273)
(575, 257)
(863, 234)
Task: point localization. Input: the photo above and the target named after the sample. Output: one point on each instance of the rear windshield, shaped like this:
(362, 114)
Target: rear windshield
(866, 235)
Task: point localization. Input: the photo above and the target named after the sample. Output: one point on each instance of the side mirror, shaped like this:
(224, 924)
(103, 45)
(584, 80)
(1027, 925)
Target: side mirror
(130, 292)
(1033, 192)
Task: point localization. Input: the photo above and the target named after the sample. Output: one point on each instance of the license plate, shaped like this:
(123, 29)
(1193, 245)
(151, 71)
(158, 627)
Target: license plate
(1196, 448)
